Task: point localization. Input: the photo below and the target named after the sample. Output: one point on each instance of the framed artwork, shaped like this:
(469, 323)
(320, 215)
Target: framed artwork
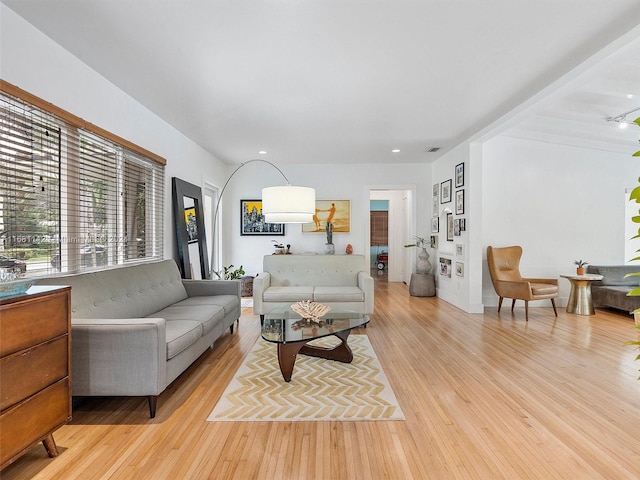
(459, 202)
(463, 225)
(460, 269)
(190, 222)
(436, 189)
(449, 227)
(445, 191)
(435, 206)
(460, 250)
(456, 227)
(434, 242)
(445, 267)
(435, 225)
(338, 212)
(252, 220)
(460, 175)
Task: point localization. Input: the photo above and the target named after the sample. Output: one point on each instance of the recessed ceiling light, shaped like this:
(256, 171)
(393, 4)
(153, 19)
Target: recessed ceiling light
(395, 150)
(629, 95)
(262, 152)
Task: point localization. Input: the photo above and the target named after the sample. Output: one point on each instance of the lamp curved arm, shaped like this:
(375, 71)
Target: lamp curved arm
(215, 215)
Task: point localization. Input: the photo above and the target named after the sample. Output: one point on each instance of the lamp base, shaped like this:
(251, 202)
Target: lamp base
(329, 248)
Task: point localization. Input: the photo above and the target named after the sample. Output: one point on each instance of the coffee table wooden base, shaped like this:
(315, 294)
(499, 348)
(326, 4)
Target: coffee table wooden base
(287, 353)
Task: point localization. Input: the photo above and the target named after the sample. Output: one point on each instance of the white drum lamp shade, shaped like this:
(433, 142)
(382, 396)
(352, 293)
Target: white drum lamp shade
(288, 204)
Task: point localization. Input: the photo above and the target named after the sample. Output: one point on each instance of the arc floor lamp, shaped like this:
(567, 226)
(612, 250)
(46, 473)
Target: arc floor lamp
(280, 204)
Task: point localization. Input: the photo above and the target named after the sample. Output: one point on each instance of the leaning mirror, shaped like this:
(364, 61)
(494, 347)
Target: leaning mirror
(191, 243)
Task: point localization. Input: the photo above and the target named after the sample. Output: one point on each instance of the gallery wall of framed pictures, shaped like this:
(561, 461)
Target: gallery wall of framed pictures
(444, 192)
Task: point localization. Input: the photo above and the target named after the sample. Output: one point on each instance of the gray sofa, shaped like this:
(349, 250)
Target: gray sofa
(135, 329)
(340, 281)
(612, 290)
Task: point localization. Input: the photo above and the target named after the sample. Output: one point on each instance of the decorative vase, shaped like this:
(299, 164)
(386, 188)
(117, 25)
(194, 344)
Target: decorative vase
(423, 265)
(329, 248)
(580, 271)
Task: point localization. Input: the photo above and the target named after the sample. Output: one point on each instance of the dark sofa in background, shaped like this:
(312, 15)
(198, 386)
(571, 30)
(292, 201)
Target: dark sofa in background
(612, 290)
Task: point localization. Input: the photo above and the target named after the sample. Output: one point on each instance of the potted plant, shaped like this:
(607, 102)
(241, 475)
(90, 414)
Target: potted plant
(635, 197)
(228, 273)
(423, 265)
(580, 268)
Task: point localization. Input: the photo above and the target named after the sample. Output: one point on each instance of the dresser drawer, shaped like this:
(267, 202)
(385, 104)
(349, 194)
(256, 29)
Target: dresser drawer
(24, 324)
(32, 370)
(33, 419)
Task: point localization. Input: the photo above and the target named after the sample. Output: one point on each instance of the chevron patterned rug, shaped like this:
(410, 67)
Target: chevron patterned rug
(320, 390)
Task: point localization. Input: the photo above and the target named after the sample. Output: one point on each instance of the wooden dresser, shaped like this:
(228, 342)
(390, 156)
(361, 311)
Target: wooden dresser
(35, 369)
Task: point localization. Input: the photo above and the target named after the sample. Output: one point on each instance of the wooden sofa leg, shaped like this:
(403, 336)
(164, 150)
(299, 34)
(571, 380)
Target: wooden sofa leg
(554, 307)
(231, 328)
(153, 401)
(526, 310)
(262, 320)
(513, 304)
(500, 303)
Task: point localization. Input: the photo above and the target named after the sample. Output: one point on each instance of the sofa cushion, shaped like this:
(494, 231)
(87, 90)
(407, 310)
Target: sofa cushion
(615, 274)
(338, 294)
(133, 291)
(227, 302)
(206, 315)
(287, 294)
(181, 334)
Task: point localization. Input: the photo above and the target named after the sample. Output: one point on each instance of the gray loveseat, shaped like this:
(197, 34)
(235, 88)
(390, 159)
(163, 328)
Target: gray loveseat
(135, 329)
(612, 290)
(340, 281)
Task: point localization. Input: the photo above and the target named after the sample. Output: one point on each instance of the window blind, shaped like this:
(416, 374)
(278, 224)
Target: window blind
(72, 200)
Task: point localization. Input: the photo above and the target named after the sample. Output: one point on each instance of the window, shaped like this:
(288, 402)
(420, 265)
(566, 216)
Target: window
(72, 199)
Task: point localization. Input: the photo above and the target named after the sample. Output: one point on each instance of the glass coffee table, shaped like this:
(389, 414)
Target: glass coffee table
(292, 333)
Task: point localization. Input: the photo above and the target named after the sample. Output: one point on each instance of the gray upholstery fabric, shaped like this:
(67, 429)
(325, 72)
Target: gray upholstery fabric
(136, 328)
(612, 290)
(340, 281)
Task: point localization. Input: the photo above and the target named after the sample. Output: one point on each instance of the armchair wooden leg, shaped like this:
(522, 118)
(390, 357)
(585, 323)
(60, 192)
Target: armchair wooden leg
(526, 310)
(500, 303)
(554, 307)
(513, 304)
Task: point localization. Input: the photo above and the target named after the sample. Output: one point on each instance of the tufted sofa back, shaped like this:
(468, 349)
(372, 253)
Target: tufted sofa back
(316, 270)
(135, 291)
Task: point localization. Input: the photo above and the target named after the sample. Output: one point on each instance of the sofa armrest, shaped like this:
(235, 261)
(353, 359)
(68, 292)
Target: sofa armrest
(260, 284)
(123, 356)
(365, 283)
(205, 288)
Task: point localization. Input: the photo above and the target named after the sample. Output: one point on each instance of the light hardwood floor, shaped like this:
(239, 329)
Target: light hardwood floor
(485, 397)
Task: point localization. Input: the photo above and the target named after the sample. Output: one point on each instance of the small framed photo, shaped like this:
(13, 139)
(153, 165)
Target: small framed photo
(459, 250)
(445, 267)
(252, 220)
(449, 227)
(463, 225)
(459, 202)
(460, 269)
(445, 191)
(460, 175)
(434, 242)
(435, 206)
(435, 225)
(436, 189)
(456, 227)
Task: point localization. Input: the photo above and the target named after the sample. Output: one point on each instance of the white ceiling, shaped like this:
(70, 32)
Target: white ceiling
(347, 81)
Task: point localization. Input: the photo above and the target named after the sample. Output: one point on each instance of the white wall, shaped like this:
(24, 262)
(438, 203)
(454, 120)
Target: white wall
(560, 203)
(331, 181)
(33, 62)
